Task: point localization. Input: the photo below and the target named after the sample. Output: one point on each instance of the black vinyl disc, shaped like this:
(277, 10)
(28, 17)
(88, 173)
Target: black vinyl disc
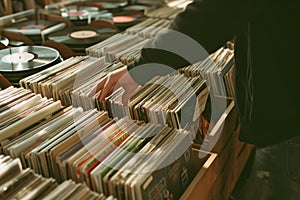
(127, 18)
(82, 37)
(19, 62)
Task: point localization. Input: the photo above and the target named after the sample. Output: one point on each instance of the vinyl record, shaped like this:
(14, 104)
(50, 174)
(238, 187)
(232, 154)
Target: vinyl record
(125, 19)
(79, 12)
(19, 62)
(79, 38)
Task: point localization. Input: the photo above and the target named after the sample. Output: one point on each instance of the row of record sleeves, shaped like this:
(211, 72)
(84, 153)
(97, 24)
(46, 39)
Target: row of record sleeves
(132, 39)
(175, 100)
(123, 158)
(23, 184)
(73, 80)
(116, 46)
(217, 69)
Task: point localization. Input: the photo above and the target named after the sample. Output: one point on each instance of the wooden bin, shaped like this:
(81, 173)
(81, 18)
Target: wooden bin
(217, 177)
(201, 186)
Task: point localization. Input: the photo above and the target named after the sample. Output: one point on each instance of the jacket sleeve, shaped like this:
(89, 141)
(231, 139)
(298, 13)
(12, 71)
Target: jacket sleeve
(209, 23)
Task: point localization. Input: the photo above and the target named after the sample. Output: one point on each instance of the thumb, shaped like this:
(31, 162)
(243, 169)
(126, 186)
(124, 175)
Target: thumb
(108, 89)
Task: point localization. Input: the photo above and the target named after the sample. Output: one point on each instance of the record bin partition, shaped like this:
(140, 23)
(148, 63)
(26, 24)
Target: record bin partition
(218, 176)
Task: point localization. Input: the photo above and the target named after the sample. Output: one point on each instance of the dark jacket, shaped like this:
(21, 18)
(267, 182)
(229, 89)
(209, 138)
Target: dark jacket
(267, 43)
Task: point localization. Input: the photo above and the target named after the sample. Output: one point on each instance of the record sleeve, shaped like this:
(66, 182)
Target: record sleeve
(29, 120)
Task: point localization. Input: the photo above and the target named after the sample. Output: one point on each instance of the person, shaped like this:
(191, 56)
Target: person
(266, 35)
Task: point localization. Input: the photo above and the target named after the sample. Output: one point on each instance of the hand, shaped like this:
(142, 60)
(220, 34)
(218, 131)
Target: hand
(114, 80)
(203, 126)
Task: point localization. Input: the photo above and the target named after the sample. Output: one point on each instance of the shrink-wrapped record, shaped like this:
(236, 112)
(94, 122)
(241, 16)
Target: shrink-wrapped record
(19, 62)
(79, 38)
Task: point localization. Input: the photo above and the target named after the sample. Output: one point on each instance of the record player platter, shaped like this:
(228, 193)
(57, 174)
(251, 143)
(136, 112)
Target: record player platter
(19, 62)
(79, 38)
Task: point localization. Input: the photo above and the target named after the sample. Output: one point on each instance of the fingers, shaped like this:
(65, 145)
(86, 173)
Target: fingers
(116, 79)
(105, 86)
(99, 87)
(101, 84)
(108, 88)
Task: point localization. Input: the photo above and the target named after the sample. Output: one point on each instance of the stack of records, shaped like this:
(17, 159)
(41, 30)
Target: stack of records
(20, 109)
(178, 3)
(173, 100)
(164, 12)
(116, 46)
(149, 28)
(130, 56)
(29, 24)
(163, 166)
(19, 62)
(218, 70)
(22, 184)
(81, 94)
(71, 80)
(17, 183)
(110, 156)
(72, 191)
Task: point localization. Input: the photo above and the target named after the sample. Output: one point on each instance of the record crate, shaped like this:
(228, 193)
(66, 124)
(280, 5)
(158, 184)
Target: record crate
(219, 171)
